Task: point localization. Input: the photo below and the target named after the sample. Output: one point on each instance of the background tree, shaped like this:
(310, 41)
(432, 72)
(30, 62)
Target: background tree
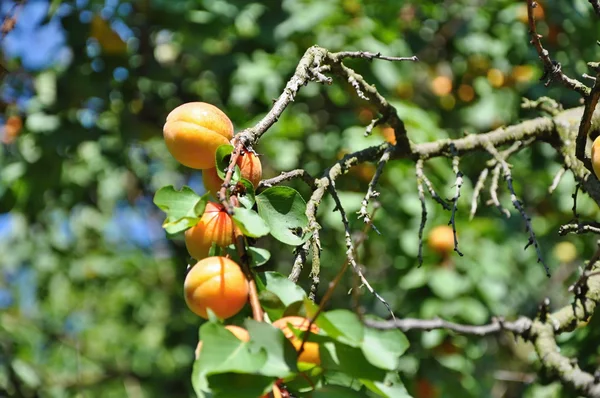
(92, 289)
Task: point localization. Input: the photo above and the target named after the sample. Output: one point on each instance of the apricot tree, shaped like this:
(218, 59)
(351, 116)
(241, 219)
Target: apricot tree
(350, 353)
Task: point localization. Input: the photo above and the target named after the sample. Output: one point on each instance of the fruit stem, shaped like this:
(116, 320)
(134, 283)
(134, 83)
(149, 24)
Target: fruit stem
(240, 244)
(230, 203)
(222, 194)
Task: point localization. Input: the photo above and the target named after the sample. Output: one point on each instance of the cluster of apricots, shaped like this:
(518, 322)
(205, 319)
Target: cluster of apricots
(192, 133)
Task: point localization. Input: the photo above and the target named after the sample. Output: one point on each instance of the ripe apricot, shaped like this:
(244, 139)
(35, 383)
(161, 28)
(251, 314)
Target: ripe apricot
(215, 226)
(240, 333)
(596, 157)
(194, 131)
(441, 239)
(310, 353)
(12, 128)
(249, 165)
(217, 283)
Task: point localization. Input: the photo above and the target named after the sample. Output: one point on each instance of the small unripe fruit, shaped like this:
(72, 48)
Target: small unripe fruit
(565, 252)
(215, 226)
(241, 333)
(441, 239)
(194, 131)
(596, 157)
(250, 168)
(217, 283)
(310, 354)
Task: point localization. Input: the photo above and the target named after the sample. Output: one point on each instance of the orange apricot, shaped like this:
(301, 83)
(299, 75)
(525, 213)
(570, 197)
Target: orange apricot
(310, 354)
(215, 226)
(596, 157)
(250, 168)
(212, 181)
(240, 333)
(441, 239)
(194, 131)
(12, 128)
(217, 283)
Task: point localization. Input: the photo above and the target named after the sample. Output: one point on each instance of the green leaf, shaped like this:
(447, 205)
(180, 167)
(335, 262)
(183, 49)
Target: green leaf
(183, 208)
(343, 325)
(248, 198)
(283, 209)
(258, 256)
(222, 158)
(383, 348)
(346, 359)
(250, 222)
(271, 304)
(287, 291)
(223, 352)
(337, 392)
(390, 387)
(229, 385)
(281, 355)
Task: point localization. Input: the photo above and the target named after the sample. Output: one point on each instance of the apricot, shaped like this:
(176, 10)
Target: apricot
(250, 168)
(194, 131)
(215, 226)
(12, 128)
(310, 354)
(441, 239)
(596, 157)
(217, 283)
(241, 333)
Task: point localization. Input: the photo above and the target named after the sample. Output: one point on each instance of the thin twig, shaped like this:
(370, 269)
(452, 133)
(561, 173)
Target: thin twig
(552, 69)
(557, 178)
(371, 193)
(518, 327)
(579, 228)
(477, 190)
(433, 193)
(350, 249)
(519, 206)
(494, 191)
(458, 183)
(421, 192)
(286, 176)
(370, 56)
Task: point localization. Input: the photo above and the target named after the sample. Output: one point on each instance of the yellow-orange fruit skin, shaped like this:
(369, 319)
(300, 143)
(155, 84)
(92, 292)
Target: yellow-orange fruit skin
(241, 333)
(441, 239)
(212, 181)
(216, 226)
(217, 283)
(193, 132)
(310, 353)
(250, 167)
(596, 157)
(276, 393)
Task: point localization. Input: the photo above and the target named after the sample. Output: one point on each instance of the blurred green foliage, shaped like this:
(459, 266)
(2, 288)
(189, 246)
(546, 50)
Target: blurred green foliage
(91, 289)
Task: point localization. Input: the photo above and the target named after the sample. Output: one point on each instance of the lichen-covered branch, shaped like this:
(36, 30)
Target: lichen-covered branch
(552, 69)
(287, 176)
(519, 327)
